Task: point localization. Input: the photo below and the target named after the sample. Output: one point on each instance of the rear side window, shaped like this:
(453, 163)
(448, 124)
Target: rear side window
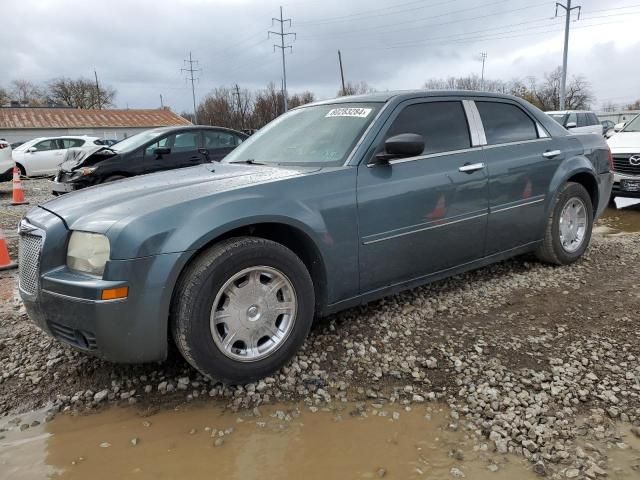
(583, 121)
(504, 123)
(442, 124)
(219, 139)
(594, 119)
(72, 142)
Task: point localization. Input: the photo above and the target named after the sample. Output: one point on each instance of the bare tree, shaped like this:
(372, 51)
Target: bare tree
(268, 105)
(227, 107)
(633, 106)
(4, 97)
(188, 116)
(358, 88)
(26, 93)
(546, 96)
(79, 93)
(609, 106)
(303, 98)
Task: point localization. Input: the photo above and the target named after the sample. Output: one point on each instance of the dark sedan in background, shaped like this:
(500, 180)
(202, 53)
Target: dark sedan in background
(150, 151)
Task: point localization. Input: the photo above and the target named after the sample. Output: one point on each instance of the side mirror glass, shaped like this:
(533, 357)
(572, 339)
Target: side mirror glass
(400, 146)
(571, 125)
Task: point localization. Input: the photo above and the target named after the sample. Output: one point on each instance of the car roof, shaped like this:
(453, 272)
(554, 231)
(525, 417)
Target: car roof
(564, 112)
(383, 97)
(201, 127)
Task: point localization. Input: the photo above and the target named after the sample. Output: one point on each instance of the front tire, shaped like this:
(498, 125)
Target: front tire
(569, 226)
(242, 309)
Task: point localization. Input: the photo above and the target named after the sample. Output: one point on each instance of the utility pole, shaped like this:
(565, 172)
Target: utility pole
(344, 92)
(237, 92)
(191, 71)
(483, 56)
(282, 47)
(563, 82)
(161, 102)
(97, 89)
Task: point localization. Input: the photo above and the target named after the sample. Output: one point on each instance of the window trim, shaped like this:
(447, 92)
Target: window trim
(538, 128)
(418, 101)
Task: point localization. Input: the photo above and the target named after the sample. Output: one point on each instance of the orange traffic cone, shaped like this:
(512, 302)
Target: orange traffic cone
(18, 191)
(5, 260)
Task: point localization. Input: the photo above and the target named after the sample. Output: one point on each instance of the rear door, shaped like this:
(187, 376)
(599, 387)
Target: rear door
(184, 151)
(425, 214)
(219, 143)
(521, 159)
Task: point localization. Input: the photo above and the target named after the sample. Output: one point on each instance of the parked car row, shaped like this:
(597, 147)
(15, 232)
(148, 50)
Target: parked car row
(625, 148)
(578, 121)
(107, 160)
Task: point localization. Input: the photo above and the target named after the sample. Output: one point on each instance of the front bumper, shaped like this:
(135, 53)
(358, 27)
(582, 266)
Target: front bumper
(67, 305)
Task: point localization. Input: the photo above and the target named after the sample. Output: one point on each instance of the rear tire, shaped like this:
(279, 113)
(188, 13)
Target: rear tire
(565, 241)
(226, 313)
(23, 172)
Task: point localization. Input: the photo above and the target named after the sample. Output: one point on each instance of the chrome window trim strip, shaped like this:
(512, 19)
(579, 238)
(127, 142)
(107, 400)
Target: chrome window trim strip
(502, 209)
(430, 155)
(429, 227)
(534, 140)
(474, 116)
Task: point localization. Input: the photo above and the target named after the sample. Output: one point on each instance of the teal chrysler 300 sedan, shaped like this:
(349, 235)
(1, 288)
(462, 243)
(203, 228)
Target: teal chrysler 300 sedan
(331, 205)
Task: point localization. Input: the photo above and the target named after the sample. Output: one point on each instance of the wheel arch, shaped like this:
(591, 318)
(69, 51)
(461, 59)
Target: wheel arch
(292, 237)
(579, 170)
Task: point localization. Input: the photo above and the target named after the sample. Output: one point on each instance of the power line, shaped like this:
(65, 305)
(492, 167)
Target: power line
(483, 56)
(191, 71)
(563, 82)
(282, 48)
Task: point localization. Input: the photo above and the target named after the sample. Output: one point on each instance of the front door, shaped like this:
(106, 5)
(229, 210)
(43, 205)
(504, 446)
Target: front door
(521, 161)
(183, 151)
(46, 157)
(422, 215)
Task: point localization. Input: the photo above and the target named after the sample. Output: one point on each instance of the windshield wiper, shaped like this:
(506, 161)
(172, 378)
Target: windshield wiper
(248, 161)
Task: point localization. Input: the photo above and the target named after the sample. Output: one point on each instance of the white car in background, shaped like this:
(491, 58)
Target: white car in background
(578, 121)
(42, 156)
(6, 162)
(625, 149)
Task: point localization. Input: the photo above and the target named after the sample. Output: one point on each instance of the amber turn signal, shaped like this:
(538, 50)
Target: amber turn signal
(115, 293)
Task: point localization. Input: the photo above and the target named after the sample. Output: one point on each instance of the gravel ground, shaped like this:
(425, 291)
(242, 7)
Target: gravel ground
(532, 360)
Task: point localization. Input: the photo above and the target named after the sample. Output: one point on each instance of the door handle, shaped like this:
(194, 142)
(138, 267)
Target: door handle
(471, 167)
(551, 153)
(195, 157)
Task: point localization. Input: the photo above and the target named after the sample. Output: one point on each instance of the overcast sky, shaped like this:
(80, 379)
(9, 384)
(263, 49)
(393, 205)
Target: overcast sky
(138, 46)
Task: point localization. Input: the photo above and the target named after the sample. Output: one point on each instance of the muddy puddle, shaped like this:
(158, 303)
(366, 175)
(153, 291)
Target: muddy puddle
(623, 218)
(284, 442)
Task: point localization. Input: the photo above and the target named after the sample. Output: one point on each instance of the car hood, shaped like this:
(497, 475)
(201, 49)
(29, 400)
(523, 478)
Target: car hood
(625, 142)
(96, 209)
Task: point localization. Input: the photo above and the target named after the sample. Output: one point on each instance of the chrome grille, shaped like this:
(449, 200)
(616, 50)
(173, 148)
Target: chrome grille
(621, 164)
(29, 262)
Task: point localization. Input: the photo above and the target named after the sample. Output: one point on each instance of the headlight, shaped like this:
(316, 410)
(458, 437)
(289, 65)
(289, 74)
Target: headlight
(88, 252)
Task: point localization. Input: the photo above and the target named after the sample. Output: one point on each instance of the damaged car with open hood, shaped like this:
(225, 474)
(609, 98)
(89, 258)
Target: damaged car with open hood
(150, 151)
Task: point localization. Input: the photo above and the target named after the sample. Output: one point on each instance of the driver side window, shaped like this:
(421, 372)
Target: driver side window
(163, 142)
(46, 145)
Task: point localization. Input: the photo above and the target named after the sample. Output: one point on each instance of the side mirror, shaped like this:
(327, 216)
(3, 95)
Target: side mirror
(571, 125)
(32, 149)
(400, 146)
(161, 151)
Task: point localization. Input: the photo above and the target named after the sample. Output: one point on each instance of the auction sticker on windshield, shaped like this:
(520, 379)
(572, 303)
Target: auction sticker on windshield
(349, 112)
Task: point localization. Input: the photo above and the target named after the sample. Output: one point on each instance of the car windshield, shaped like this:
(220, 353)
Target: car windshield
(558, 117)
(319, 135)
(136, 141)
(633, 125)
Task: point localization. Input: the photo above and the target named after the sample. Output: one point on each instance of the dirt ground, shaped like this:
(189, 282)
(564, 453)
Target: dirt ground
(519, 351)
